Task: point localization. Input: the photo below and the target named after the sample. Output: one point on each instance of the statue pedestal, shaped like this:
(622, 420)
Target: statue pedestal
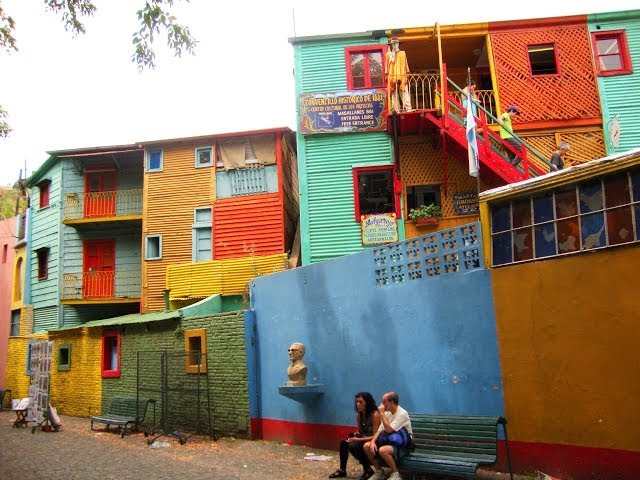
(306, 393)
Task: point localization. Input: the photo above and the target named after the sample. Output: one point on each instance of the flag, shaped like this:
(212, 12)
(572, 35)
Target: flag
(471, 139)
(544, 476)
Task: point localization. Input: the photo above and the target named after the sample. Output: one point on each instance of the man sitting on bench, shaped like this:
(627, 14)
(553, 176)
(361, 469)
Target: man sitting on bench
(394, 417)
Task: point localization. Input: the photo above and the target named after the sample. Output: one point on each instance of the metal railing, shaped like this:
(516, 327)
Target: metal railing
(101, 285)
(118, 203)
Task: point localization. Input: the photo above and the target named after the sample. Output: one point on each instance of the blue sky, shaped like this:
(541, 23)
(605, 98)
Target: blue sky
(63, 92)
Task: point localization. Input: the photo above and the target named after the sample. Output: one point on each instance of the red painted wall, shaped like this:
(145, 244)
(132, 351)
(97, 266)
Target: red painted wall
(7, 237)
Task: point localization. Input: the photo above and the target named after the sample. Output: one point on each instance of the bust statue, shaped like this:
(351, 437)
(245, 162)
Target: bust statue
(297, 371)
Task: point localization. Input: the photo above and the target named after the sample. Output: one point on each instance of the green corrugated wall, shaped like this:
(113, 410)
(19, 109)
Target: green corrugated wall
(325, 162)
(619, 94)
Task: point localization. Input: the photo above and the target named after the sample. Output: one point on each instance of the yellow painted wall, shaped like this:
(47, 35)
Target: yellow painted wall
(568, 332)
(170, 199)
(78, 392)
(17, 379)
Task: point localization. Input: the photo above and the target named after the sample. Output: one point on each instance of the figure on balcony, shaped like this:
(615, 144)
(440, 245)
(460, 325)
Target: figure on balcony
(506, 133)
(470, 90)
(557, 162)
(397, 70)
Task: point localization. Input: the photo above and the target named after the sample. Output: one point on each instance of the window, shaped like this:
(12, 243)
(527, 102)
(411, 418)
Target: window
(5, 252)
(365, 66)
(202, 235)
(14, 331)
(110, 354)
(44, 187)
(64, 358)
(43, 263)
(153, 247)
(423, 195)
(18, 280)
(154, 160)
(29, 347)
(204, 157)
(195, 345)
(374, 191)
(611, 53)
(593, 214)
(542, 59)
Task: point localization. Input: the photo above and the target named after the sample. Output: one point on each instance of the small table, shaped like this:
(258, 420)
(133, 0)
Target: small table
(21, 419)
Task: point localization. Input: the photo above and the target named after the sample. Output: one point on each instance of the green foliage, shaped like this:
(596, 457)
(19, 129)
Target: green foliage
(9, 199)
(5, 129)
(425, 211)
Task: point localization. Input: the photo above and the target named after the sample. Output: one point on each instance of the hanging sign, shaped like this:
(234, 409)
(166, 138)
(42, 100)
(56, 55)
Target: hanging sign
(379, 228)
(465, 203)
(341, 112)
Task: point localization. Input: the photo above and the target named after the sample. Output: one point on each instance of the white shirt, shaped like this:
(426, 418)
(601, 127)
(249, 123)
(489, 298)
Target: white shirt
(398, 420)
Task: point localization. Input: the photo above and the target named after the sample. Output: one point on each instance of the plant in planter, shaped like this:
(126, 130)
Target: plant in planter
(425, 214)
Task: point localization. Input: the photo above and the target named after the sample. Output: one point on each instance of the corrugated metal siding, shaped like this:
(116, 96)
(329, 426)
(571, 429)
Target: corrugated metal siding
(570, 95)
(321, 66)
(78, 314)
(170, 198)
(248, 225)
(226, 277)
(45, 319)
(332, 228)
(620, 94)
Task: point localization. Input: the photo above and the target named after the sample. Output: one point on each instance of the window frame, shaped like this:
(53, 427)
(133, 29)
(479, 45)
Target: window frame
(106, 336)
(188, 335)
(147, 238)
(44, 193)
(394, 186)
(14, 326)
(555, 57)
(147, 163)
(623, 46)
(42, 255)
(348, 51)
(211, 157)
(64, 367)
(200, 226)
(30, 344)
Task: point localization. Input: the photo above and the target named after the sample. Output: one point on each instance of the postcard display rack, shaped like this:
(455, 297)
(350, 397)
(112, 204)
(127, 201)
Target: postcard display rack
(40, 372)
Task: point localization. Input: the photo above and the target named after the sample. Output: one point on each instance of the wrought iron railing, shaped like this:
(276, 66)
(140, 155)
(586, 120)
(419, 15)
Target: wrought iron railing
(120, 284)
(118, 203)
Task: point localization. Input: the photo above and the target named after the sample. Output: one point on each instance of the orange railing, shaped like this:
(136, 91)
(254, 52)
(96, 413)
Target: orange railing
(117, 203)
(120, 284)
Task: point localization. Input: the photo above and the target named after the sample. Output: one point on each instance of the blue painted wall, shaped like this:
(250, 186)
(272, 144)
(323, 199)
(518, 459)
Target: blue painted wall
(432, 340)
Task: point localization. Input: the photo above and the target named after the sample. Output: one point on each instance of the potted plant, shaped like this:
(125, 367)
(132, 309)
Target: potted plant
(426, 214)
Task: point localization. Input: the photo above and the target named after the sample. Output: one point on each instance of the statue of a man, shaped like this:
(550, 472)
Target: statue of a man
(297, 371)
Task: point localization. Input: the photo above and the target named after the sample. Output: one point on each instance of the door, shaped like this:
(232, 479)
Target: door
(99, 269)
(100, 194)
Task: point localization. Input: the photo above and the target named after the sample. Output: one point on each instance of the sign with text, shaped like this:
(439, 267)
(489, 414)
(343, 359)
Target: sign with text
(340, 112)
(379, 228)
(465, 203)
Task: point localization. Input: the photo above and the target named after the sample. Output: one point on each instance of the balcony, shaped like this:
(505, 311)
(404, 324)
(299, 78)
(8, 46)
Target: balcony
(93, 206)
(121, 286)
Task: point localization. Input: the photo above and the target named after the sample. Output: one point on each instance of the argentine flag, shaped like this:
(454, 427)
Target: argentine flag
(471, 139)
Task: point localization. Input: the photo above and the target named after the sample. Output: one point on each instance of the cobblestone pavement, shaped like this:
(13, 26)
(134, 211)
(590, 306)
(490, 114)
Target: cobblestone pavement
(76, 452)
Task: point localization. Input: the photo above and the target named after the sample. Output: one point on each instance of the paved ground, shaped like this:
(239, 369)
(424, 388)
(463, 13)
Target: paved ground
(78, 453)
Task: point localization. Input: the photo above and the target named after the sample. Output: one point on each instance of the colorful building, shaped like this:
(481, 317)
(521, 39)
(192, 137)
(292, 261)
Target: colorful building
(360, 155)
(7, 234)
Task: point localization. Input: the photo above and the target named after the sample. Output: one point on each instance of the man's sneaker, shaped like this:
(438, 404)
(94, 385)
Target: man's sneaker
(395, 476)
(378, 475)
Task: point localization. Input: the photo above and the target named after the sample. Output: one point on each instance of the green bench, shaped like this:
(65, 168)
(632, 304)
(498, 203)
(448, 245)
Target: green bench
(453, 445)
(126, 413)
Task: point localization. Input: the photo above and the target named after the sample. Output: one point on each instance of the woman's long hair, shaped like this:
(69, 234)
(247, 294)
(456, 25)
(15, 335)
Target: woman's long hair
(369, 404)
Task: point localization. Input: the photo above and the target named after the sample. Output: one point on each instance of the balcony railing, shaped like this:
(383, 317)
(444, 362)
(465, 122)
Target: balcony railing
(423, 87)
(117, 203)
(121, 284)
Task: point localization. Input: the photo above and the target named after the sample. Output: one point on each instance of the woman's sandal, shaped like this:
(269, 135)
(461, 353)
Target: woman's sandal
(338, 473)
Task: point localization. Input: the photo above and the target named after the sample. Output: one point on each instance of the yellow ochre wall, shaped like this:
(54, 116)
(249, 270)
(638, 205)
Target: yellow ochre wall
(78, 392)
(568, 337)
(170, 198)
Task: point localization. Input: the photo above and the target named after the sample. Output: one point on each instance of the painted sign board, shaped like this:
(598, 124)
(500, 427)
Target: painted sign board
(614, 131)
(465, 203)
(341, 112)
(379, 228)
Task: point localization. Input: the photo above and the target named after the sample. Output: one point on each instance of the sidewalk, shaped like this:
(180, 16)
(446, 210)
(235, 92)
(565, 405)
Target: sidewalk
(78, 453)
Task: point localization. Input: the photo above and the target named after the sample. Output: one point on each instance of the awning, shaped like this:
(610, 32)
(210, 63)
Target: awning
(126, 320)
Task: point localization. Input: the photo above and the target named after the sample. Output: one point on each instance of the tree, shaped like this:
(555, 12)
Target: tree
(154, 18)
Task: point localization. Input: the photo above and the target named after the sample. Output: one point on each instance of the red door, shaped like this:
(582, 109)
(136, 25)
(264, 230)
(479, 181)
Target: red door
(100, 194)
(99, 268)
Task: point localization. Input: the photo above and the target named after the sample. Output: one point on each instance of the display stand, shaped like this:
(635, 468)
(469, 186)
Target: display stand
(40, 373)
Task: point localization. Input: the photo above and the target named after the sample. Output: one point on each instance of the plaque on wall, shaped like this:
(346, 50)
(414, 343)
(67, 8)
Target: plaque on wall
(341, 112)
(465, 203)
